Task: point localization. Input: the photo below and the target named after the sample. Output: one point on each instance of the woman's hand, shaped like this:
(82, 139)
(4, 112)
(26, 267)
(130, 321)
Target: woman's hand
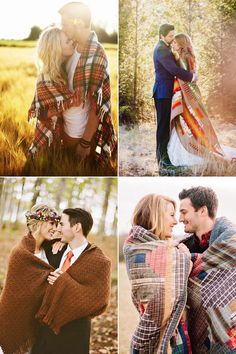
(83, 152)
(53, 276)
(184, 249)
(57, 246)
(176, 54)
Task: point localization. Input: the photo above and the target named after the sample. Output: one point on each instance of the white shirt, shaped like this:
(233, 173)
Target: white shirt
(41, 255)
(75, 118)
(76, 253)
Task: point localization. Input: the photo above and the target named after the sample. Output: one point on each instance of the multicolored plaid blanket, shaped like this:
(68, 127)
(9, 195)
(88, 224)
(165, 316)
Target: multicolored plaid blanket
(190, 119)
(212, 293)
(91, 80)
(158, 272)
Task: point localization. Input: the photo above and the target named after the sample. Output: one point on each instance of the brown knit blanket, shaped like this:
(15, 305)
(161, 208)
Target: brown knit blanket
(25, 285)
(82, 291)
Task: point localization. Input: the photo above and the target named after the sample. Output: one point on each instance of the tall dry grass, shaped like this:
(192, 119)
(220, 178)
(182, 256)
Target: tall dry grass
(17, 82)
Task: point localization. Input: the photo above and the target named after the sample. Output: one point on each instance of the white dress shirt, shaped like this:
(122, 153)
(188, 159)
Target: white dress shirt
(75, 118)
(41, 255)
(76, 253)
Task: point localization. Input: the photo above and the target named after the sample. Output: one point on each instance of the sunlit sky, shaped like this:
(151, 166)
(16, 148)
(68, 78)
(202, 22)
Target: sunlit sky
(132, 189)
(18, 16)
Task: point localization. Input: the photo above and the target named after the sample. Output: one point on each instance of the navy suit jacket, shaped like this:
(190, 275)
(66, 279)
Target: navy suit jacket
(166, 69)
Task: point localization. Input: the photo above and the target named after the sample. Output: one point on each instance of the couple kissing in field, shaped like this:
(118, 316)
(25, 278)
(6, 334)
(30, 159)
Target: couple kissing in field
(72, 101)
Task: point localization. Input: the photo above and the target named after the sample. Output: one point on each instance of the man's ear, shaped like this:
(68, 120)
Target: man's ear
(78, 227)
(204, 210)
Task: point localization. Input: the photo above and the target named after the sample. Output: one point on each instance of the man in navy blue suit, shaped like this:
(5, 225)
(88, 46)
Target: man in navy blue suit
(166, 69)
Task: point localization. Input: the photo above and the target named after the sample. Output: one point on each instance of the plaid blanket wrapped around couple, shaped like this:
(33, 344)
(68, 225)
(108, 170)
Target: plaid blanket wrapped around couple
(158, 272)
(212, 293)
(91, 80)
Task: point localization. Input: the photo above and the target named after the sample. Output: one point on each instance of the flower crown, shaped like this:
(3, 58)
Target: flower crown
(43, 216)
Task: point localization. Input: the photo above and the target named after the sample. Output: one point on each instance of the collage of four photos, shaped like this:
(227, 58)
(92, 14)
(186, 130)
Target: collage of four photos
(118, 177)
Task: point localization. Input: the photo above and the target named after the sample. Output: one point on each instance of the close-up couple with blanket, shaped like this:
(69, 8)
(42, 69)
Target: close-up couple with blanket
(183, 287)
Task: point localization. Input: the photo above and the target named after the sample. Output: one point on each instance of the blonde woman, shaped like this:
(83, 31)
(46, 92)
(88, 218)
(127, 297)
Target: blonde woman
(158, 271)
(52, 95)
(26, 281)
(193, 139)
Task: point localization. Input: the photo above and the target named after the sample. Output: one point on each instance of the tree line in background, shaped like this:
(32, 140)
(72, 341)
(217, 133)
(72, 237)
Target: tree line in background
(98, 195)
(102, 34)
(212, 26)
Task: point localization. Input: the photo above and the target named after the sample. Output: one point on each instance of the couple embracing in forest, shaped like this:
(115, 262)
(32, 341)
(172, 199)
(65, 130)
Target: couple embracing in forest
(184, 136)
(56, 282)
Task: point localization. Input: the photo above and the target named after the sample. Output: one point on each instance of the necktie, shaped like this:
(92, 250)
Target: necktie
(67, 261)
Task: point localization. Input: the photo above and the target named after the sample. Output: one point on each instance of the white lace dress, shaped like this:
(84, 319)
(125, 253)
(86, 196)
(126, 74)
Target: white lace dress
(179, 156)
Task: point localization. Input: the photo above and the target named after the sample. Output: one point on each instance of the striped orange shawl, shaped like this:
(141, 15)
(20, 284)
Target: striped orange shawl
(190, 119)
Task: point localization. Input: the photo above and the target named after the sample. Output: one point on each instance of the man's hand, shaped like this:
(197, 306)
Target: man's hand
(53, 276)
(195, 77)
(184, 249)
(83, 152)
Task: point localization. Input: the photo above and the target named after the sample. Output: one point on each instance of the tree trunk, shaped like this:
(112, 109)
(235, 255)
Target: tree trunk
(60, 192)
(136, 55)
(37, 186)
(114, 224)
(19, 201)
(101, 228)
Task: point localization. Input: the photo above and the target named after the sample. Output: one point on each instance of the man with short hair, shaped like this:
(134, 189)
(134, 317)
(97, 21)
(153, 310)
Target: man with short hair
(166, 69)
(79, 290)
(88, 76)
(198, 208)
(212, 282)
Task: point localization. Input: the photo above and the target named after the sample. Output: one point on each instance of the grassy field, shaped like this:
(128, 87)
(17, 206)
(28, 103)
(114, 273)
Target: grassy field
(17, 82)
(137, 146)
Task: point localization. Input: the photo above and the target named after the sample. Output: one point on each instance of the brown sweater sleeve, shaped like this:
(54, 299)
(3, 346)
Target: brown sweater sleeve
(68, 299)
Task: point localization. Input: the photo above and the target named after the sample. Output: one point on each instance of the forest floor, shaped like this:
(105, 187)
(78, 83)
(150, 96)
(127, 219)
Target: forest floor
(128, 315)
(137, 147)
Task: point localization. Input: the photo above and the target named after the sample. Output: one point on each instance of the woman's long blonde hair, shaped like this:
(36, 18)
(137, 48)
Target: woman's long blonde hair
(34, 225)
(49, 54)
(149, 213)
(187, 51)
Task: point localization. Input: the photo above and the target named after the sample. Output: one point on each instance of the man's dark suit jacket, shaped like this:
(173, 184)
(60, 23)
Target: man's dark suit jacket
(166, 69)
(74, 336)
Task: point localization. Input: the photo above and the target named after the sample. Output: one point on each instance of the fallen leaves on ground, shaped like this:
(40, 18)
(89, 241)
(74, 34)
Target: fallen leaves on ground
(104, 329)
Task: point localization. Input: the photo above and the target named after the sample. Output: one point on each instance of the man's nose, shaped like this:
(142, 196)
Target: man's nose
(181, 218)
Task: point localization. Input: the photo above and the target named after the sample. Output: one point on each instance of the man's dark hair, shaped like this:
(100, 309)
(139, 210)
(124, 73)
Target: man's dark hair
(78, 215)
(201, 196)
(77, 10)
(165, 29)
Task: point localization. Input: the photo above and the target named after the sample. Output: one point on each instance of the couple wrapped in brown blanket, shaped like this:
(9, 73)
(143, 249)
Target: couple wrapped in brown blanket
(28, 300)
